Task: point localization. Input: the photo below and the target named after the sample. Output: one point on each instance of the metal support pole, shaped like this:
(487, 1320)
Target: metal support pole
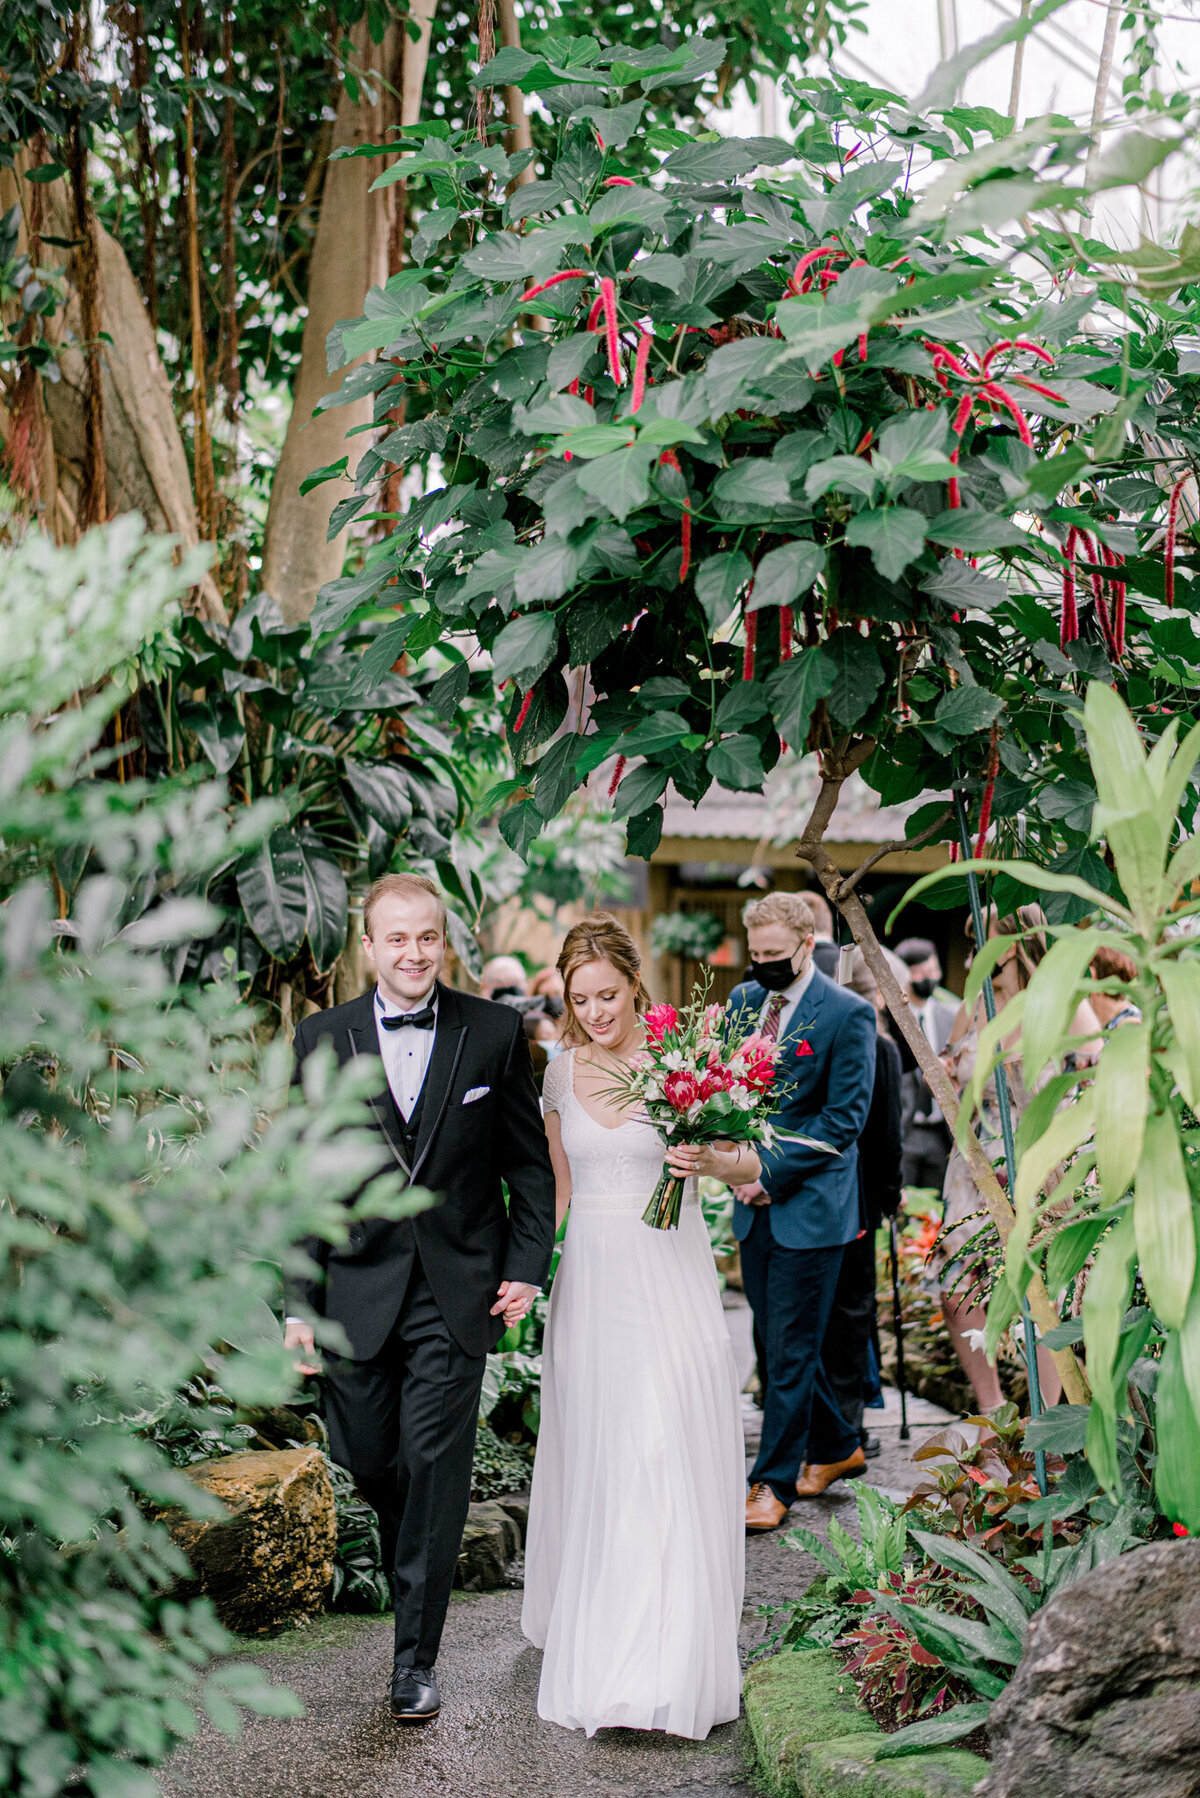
(898, 1326)
(1006, 1129)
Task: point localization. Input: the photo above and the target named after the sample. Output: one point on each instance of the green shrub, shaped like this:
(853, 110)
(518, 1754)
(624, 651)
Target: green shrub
(153, 1182)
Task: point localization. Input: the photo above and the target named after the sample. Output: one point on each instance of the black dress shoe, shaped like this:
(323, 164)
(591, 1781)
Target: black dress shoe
(415, 1695)
(872, 1447)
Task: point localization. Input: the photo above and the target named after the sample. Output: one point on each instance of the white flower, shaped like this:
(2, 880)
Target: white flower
(976, 1339)
(674, 1060)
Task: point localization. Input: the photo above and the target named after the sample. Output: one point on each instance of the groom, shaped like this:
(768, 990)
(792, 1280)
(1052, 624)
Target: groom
(422, 1299)
(794, 1222)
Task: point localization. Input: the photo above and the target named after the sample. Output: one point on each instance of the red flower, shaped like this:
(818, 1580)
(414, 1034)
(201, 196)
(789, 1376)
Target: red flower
(717, 1079)
(659, 1020)
(1180, 1529)
(681, 1089)
(760, 1074)
(805, 1049)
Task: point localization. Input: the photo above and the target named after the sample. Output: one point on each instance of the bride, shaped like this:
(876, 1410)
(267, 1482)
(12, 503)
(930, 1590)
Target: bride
(635, 1559)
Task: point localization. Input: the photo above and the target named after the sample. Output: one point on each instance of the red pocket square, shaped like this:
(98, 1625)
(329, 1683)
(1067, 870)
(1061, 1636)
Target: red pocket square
(805, 1049)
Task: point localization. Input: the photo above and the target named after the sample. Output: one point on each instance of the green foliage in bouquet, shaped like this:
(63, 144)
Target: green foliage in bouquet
(1124, 1210)
(153, 1183)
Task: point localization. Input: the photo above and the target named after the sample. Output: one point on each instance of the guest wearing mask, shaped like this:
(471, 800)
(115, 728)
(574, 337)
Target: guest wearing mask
(502, 977)
(794, 1222)
(927, 1140)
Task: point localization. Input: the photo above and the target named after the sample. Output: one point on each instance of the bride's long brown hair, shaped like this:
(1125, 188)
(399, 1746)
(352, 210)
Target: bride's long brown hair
(598, 938)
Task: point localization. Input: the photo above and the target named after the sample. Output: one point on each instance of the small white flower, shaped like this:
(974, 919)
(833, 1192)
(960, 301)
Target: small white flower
(976, 1339)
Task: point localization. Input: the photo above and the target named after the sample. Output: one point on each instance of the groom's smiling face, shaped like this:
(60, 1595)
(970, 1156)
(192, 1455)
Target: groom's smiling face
(406, 947)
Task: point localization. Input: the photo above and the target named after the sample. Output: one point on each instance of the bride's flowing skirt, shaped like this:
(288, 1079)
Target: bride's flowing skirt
(635, 1559)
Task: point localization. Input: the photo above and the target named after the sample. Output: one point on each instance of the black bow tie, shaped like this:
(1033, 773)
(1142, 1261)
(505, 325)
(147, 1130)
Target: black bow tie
(425, 1019)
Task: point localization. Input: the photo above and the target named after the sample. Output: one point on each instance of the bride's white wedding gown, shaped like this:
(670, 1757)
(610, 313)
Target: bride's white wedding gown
(634, 1567)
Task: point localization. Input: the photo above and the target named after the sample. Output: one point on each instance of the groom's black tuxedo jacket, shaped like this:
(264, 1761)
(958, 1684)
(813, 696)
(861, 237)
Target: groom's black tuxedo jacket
(460, 1151)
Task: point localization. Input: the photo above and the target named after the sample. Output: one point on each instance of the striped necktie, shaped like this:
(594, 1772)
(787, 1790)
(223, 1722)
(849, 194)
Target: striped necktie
(770, 1024)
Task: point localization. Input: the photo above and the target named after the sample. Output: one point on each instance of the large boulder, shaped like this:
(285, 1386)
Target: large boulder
(269, 1560)
(491, 1538)
(1106, 1700)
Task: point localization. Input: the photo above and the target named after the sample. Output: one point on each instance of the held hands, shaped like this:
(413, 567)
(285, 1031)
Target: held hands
(514, 1298)
(755, 1194)
(298, 1335)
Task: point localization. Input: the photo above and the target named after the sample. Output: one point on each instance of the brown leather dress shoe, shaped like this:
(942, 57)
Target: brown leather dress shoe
(819, 1475)
(763, 1510)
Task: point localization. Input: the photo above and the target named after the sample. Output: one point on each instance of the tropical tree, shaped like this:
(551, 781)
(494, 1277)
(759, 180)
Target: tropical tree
(797, 456)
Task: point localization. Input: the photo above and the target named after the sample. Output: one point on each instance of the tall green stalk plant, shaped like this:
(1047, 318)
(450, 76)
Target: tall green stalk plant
(1108, 1177)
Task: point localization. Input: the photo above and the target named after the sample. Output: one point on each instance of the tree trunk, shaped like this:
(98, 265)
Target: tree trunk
(812, 849)
(349, 256)
(520, 137)
(146, 467)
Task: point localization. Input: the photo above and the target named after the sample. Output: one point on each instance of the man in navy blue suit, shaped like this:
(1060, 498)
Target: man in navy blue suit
(794, 1223)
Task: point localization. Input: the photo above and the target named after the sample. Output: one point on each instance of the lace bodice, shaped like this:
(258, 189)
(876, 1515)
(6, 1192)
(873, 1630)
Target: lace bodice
(611, 1169)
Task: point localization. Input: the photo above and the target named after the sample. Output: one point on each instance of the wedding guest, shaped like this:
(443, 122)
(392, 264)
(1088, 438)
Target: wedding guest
(825, 950)
(926, 1135)
(547, 983)
(502, 976)
(1113, 1009)
(794, 1222)
(846, 1350)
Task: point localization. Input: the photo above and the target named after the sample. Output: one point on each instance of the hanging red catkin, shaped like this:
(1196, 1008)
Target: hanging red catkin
(618, 771)
(524, 711)
(593, 317)
(1172, 533)
(786, 625)
(751, 623)
(989, 792)
(1068, 629)
(669, 459)
(619, 181)
(1117, 591)
(608, 300)
(806, 261)
(639, 369)
(566, 274)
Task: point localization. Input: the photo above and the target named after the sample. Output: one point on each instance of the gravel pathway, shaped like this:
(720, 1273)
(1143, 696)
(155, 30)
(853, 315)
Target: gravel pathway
(489, 1741)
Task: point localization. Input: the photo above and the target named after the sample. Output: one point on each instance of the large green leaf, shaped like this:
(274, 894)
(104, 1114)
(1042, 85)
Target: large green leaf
(719, 580)
(857, 675)
(934, 1732)
(1162, 1214)
(620, 480)
(784, 574)
(1105, 1301)
(525, 647)
(640, 789)
(794, 689)
(382, 790)
(1063, 1136)
(327, 901)
(974, 531)
(895, 536)
(965, 711)
(1069, 1251)
(1122, 1100)
(1052, 999)
(273, 896)
(1177, 1470)
(661, 730)
(1181, 984)
(737, 762)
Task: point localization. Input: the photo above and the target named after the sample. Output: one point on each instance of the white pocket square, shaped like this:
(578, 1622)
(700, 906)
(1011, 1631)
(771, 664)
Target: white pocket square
(476, 1092)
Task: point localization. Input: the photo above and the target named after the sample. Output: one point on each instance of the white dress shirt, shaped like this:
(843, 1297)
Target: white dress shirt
(791, 996)
(405, 1053)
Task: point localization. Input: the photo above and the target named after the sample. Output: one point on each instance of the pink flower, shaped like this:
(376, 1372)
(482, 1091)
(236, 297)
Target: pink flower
(717, 1079)
(659, 1021)
(681, 1089)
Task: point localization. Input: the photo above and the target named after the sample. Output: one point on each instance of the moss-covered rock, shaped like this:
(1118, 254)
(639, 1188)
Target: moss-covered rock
(813, 1740)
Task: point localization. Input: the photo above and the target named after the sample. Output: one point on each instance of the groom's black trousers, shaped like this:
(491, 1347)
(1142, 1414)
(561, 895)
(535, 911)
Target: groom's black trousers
(403, 1423)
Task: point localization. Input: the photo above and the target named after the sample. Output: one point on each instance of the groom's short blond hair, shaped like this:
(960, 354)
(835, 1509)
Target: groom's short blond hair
(402, 886)
(789, 909)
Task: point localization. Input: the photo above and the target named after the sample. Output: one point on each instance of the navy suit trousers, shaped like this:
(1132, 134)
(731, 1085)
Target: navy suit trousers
(791, 1293)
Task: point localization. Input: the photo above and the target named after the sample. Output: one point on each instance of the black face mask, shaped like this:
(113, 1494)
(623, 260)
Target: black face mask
(774, 975)
(924, 988)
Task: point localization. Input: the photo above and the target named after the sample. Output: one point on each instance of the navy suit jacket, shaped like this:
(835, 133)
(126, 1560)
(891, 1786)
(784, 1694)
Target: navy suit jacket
(827, 1094)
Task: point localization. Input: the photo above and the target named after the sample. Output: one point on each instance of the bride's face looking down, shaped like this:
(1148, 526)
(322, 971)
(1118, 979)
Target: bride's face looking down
(605, 1003)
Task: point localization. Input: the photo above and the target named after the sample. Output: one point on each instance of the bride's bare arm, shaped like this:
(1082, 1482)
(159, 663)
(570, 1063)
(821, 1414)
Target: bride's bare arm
(735, 1163)
(561, 1166)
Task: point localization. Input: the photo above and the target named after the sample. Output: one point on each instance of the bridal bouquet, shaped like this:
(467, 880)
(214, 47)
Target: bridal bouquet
(699, 1079)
